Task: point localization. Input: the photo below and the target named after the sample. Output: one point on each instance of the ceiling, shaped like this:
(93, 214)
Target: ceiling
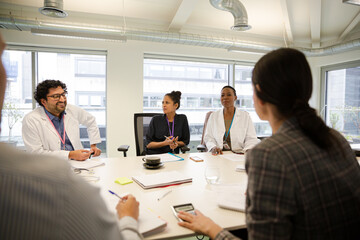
(310, 24)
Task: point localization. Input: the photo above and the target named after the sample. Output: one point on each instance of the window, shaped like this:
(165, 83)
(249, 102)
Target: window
(244, 92)
(341, 101)
(84, 75)
(18, 96)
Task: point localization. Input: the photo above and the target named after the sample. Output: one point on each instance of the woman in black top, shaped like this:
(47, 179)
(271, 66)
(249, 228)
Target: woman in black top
(169, 132)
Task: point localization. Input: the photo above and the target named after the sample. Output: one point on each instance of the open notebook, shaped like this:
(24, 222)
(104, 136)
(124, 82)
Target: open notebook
(161, 179)
(149, 222)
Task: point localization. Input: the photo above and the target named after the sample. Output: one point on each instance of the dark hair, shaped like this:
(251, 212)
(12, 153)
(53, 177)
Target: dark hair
(175, 97)
(230, 88)
(42, 89)
(285, 80)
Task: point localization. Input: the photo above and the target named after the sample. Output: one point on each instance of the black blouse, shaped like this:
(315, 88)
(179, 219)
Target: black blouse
(159, 128)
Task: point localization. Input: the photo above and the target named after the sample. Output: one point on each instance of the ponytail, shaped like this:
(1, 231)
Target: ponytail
(312, 125)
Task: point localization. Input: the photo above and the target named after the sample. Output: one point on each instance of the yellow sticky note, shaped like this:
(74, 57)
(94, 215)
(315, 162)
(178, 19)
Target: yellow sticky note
(123, 180)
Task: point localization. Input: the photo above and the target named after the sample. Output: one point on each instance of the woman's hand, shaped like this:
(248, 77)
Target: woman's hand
(174, 144)
(128, 206)
(216, 151)
(199, 224)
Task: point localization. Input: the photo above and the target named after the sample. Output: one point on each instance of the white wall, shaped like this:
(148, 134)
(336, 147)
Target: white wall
(125, 74)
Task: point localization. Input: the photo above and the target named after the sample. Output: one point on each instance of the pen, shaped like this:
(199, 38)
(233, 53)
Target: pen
(115, 194)
(164, 195)
(169, 138)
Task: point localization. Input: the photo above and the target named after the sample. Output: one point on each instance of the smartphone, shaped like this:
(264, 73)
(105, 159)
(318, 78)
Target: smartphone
(196, 159)
(187, 207)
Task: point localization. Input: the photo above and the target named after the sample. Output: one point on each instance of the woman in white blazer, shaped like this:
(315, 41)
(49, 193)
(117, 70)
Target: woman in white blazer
(229, 128)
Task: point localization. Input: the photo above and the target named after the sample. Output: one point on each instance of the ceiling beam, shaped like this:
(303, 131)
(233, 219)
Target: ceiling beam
(350, 27)
(287, 23)
(315, 22)
(182, 15)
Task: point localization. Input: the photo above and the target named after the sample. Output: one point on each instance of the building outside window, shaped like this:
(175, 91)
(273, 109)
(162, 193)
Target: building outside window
(84, 75)
(244, 91)
(341, 101)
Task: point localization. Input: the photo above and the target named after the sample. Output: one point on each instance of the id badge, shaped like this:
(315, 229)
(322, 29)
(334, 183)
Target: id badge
(226, 146)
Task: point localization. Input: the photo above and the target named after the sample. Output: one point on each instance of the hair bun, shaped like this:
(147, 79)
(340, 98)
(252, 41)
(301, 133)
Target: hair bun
(176, 93)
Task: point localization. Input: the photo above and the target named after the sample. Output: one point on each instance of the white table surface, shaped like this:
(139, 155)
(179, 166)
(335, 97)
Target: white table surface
(199, 193)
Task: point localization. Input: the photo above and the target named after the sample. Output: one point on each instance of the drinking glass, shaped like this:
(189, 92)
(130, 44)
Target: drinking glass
(212, 174)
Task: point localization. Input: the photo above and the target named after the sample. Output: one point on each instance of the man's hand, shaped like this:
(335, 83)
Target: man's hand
(79, 155)
(95, 150)
(128, 206)
(199, 224)
(216, 151)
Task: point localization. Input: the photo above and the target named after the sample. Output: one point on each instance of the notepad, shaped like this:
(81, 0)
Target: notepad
(123, 180)
(89, 163)
(161, 179)
(149, 223)
(231, 197)
(167, 157)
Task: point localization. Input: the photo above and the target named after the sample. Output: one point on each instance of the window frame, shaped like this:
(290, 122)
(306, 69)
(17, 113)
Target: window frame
(324, 83)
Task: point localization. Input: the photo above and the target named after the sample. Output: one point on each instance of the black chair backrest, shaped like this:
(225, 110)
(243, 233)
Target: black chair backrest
(141, 127)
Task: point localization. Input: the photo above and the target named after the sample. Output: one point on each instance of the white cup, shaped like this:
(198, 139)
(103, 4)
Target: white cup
(212, 174)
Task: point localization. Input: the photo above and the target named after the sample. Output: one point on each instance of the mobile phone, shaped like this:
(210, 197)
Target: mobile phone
(196, 159)
(187, 207)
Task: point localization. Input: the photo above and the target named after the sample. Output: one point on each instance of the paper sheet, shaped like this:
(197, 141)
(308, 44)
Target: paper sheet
(234, 157)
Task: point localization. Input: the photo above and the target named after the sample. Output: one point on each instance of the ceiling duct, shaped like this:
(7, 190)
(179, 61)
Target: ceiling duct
(53, 8)
(113, 33)
(355, 2)
(237, 9)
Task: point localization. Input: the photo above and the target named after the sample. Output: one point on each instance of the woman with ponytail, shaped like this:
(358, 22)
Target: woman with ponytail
(303, 181)
(169, 132)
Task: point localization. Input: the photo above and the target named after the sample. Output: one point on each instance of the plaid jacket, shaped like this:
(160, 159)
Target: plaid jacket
(297, 190)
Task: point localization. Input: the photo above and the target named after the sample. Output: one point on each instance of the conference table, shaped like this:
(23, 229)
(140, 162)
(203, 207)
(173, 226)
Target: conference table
(198, 192)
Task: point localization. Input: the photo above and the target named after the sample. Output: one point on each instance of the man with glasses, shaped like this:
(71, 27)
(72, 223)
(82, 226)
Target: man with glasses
(53, 127)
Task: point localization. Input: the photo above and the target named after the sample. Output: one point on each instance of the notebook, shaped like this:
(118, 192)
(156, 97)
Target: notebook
(167, 157)
(231, 197)
(89, 163)
(161, 179)
(149, 223)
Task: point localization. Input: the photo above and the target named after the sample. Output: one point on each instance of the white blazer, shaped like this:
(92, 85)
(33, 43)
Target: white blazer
(242, 132)
(40, 136)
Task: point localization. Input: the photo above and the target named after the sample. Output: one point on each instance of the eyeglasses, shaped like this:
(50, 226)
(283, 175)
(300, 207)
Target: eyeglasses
(57, 96)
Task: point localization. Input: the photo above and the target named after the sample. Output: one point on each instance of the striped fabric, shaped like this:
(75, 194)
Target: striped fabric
(41, 199)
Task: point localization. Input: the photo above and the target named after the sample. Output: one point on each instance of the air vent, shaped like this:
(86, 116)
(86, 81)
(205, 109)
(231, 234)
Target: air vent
(53, 8)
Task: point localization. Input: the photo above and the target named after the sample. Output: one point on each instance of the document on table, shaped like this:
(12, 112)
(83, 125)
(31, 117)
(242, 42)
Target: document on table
(233, 157)
(89, 163)
(231, 196)
(149, 222)
(167, 157)
(161, 179)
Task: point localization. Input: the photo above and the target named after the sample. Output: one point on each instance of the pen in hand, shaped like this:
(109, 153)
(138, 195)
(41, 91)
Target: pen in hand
(161, 197)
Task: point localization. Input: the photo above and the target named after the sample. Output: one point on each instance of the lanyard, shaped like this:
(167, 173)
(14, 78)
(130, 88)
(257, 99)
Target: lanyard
(227, 133)
(61, 139)
(173, 125)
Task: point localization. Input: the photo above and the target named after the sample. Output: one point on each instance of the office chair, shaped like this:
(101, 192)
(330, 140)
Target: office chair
(202, 147)
(141, 127)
